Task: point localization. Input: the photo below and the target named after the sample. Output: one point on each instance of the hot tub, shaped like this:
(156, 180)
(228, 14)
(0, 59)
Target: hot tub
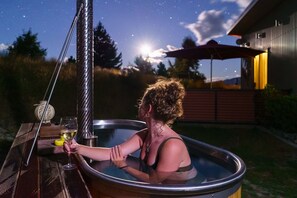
(220, 172)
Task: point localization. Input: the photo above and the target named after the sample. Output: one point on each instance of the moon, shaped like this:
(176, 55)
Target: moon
(145, 50)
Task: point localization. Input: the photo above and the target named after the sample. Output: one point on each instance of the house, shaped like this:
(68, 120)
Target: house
(269, 25)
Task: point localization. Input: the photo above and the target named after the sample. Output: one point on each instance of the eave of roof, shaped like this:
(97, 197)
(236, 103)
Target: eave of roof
(253, 13)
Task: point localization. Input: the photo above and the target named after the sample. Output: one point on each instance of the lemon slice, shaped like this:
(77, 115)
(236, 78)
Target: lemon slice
(62, 137)
(59, 142)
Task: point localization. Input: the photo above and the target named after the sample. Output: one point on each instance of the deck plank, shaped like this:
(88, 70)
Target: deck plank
(44, 176)
(27, 181)
(51, 178)
(12, 166)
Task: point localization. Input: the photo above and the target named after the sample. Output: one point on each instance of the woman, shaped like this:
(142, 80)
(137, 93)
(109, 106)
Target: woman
(162, 149)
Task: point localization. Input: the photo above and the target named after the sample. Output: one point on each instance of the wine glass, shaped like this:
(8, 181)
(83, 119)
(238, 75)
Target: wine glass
(68, 127)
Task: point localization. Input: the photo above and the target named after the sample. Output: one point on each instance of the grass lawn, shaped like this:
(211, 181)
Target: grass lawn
(271, 163)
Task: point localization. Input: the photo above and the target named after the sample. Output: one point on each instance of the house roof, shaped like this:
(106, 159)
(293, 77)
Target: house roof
(253, 13)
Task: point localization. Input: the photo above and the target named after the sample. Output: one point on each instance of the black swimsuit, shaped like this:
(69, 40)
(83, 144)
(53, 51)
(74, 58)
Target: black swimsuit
(154, 166)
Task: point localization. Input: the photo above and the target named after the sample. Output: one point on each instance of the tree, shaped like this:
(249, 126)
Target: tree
(186, 68)
(105, 54)
(162, 71)
(143, 65)
(27, 45)
(71, 59)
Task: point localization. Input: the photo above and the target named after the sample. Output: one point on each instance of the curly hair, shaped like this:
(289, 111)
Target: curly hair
(166, 97)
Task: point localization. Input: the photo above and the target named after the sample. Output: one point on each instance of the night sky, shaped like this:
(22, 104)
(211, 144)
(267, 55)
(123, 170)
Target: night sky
(161, 25)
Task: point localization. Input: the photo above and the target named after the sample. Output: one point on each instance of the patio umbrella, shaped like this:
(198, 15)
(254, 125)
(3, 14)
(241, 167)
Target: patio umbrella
(213, 50)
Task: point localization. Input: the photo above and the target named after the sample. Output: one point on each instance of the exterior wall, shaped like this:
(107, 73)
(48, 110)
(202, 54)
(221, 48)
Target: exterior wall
(281, 42)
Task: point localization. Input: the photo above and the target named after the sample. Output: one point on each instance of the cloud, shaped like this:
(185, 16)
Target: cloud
(213, 24)
(242, 4)
(3, 48)
(210, 24)
(172, 48)
(157, 56)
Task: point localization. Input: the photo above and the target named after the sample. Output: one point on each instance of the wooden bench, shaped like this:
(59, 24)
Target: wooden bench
(44, 175)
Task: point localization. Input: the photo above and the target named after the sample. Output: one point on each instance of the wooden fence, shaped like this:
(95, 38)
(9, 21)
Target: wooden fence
(221, 106)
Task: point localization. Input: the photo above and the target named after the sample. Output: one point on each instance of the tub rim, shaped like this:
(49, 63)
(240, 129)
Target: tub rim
(207, 187)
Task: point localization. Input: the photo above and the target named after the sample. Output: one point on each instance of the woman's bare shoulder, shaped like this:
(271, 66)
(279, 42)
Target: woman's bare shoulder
(173, 144)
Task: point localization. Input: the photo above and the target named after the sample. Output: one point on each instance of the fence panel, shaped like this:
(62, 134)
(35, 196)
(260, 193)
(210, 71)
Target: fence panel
(235, 106)
(232, 106)
(199, 106)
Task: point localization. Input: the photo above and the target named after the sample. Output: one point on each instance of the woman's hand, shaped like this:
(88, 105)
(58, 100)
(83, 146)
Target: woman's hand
(70, 147)
(117, 157)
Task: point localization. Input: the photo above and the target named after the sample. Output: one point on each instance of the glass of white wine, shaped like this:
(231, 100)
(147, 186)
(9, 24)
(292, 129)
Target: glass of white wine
(68, 127)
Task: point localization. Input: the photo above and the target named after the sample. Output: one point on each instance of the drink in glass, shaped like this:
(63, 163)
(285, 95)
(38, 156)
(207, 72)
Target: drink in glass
(68, 127)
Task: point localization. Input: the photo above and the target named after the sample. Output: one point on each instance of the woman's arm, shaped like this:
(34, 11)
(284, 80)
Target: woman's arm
(153, 177)
(102, 153)
(141, 176)
(95, 153)
(119, 159)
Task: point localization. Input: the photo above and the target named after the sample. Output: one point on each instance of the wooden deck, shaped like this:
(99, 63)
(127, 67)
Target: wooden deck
(44, 176)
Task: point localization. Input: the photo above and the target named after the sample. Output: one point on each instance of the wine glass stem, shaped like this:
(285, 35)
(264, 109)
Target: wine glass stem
(69, 153)
(69, 158)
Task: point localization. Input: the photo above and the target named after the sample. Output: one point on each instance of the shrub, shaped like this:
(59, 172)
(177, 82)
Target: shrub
(280, 111)
(23, 83)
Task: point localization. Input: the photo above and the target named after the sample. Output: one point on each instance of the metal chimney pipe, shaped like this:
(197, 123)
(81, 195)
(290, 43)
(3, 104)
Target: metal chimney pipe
(85, 71)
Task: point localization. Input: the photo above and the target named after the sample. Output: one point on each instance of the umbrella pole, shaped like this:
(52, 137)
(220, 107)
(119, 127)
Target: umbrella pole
(211, 71)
